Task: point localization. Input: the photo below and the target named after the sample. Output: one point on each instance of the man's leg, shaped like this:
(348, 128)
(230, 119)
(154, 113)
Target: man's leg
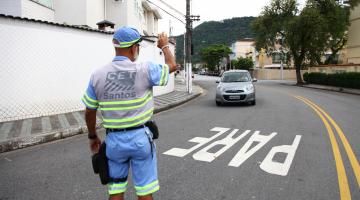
(117, 197)
(144, 167)
(118, 165)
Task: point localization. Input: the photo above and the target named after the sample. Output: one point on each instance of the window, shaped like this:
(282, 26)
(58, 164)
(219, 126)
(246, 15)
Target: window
(236, 77)
(46, 3)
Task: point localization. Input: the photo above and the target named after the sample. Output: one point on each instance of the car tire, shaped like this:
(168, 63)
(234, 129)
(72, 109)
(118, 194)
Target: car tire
(253, 103)
(218, 103)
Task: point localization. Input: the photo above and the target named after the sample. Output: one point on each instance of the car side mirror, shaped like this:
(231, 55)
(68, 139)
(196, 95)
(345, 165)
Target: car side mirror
(254, 80)
(217, 81)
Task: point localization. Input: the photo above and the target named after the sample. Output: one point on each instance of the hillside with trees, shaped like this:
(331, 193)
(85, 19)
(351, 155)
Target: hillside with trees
(215, 32)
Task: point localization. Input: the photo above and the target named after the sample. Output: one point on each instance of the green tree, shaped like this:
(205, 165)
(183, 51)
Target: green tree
(213, 54)
(307, 34)
(336, 15)
(243, 63)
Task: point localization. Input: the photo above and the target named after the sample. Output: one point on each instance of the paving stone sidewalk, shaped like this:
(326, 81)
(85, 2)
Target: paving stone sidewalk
(28, 132)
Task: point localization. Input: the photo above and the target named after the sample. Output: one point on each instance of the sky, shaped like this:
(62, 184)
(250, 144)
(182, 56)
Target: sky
(209, 10)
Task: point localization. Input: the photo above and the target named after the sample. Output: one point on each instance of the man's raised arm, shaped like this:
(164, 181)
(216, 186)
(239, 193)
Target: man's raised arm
(163, 44)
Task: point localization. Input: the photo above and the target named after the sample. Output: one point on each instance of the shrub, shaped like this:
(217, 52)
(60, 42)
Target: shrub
(243, 63)
(346, 80)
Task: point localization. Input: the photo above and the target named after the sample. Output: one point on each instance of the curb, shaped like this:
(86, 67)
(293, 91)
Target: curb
(327, 88)
(177, 103)
(342, 90)
(19, 143)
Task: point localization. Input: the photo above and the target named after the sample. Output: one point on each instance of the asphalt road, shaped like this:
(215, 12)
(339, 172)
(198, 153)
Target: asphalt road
(279, 149)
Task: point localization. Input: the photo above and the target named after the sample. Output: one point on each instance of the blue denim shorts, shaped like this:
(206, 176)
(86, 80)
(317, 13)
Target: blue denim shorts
(132, 150)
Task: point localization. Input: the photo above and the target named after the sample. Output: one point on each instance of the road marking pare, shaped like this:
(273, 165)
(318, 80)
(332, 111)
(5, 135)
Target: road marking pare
(268, 164)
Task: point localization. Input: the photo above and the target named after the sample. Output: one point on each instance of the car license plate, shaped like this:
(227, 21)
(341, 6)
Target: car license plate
(234, 97)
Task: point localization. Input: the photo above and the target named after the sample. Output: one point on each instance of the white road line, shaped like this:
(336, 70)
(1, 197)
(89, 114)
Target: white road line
(7, 159)
(26, 128)
(227, 142)
(278, 168)
(245, 152)
(201, 141)
(45, 124)
(63, 121)
(5, 130)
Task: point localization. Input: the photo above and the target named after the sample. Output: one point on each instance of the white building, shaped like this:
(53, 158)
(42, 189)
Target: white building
(35, 9)
(136, 13)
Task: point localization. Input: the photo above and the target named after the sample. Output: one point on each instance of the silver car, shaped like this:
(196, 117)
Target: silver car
(235, 86)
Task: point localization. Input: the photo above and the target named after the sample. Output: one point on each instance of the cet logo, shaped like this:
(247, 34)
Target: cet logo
(120, 85)
(120, 81)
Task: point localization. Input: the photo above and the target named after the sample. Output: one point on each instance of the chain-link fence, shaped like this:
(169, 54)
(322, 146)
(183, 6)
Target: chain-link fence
(46, 68)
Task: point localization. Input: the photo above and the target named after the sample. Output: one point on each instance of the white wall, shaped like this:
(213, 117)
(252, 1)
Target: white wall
(10, 7)
(94, 12)
(150, 22)
(45, 69)
(134, 8)
(156, 23)
(71, 12)
(116, 12)
(32, 10)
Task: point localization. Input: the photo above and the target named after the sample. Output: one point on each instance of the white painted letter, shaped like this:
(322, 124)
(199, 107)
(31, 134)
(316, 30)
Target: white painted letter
(278, 168)
(200, 140)
(245, 152)
(228, 142)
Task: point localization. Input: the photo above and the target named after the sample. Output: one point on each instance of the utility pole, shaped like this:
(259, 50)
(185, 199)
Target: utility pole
(188, 44)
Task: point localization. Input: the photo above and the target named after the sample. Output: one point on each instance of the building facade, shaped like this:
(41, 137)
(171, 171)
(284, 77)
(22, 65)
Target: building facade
(32, 9)
(136, 13)
(244, 48)
(353, 46)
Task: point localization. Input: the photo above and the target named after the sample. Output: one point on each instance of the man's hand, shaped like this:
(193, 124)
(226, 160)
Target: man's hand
(94, 145)
(163, 44)
(163, 40)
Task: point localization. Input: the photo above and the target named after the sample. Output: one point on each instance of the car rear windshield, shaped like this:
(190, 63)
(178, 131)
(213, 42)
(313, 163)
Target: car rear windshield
(236, 77)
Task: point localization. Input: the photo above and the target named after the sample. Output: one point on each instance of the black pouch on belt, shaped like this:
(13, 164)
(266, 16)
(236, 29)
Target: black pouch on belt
(151, 124)
(100, 164)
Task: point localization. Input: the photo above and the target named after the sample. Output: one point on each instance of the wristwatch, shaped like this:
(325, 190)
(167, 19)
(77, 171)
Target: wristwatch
(92, 136)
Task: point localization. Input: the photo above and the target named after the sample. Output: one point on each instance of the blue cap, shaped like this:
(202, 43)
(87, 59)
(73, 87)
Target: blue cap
(126, 36)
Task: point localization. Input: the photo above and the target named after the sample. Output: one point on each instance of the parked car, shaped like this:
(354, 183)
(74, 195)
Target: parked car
(235, 86)
(212, 73)
(202, 72)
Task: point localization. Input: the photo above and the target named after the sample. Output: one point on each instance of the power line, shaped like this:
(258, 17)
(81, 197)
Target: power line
(165, 11)
(166, 4)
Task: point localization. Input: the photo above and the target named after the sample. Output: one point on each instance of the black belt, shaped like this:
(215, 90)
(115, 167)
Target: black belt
(123, 129)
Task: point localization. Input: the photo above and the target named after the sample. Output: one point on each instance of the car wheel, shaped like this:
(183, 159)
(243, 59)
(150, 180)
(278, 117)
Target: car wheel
(253, 102)
(218, 103)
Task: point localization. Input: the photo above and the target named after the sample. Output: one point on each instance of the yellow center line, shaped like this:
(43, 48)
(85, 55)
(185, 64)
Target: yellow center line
(342, 178)
(350, 153)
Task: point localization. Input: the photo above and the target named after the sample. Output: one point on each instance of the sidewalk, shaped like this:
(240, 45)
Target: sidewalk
(28, 132)
(323, 87)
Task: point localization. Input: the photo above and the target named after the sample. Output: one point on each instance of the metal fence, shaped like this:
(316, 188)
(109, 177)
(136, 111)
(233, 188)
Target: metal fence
(45, 69)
